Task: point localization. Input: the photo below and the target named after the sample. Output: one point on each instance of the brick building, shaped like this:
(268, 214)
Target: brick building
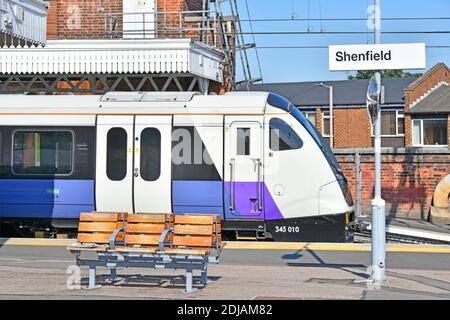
(127, 45)
(415, 135)
(98, 19)
(427, 109)
(415, 111)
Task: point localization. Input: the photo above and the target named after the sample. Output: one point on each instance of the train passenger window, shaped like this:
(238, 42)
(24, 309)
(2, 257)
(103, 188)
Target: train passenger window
(150, 154)
(116, 154)
(282, 136)
(42, 152)
(243, 141)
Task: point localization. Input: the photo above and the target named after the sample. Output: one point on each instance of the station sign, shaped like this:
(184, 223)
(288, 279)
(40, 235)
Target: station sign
(377, 57)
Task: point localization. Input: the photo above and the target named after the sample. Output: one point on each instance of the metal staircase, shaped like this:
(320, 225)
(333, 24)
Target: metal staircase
(232, 28)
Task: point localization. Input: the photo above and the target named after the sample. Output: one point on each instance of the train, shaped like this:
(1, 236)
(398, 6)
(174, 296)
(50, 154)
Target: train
(251, 157)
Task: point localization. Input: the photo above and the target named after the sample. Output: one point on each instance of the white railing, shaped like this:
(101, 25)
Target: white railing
(200, 25)
(23, 22)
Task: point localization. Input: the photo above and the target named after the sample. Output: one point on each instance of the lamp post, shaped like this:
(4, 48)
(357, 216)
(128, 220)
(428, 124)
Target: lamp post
(331, 103)
(378, 204)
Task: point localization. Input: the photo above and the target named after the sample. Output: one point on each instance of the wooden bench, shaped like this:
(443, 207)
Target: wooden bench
(153, 240)
(144, 231)
(95, 230)
(196, 234)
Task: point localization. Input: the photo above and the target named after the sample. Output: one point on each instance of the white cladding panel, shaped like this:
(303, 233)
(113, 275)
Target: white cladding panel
(114, 56)
(24, 19)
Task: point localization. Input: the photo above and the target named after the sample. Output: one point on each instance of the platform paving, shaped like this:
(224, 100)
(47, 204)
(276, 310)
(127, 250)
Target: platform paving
(44, 276)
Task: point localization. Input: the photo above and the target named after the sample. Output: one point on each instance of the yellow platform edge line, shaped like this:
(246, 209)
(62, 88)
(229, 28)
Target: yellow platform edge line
(336, 247)
(252, 245)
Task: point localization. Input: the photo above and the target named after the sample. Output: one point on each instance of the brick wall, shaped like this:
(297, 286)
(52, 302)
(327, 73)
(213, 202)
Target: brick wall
(319, 120)
(351, 128)
(409, 178)
(52, 30)
(85, 19)
(79, 19)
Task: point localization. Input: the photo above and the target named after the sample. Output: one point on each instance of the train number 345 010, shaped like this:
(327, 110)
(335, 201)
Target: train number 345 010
(288, 229)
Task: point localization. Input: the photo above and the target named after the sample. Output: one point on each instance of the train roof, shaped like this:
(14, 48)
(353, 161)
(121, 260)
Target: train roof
(130, 102)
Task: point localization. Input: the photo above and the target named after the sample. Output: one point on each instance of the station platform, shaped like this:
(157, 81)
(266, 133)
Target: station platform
(40, 270)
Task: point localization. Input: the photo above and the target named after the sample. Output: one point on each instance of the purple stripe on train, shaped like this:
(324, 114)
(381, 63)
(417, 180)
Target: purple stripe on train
(245, 200)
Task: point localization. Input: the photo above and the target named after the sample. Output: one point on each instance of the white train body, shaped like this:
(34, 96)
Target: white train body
(251, 157)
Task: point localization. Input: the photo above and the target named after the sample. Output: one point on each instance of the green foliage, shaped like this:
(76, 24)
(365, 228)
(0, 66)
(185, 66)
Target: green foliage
(385, 74)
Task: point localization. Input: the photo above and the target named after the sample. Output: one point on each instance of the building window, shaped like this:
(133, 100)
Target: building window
(42, 152)
(430, 132)
(116, 154)
(243, 141)
(392, 123)
(282, 136)
(326, 124)
(150, 154)
(311, 116)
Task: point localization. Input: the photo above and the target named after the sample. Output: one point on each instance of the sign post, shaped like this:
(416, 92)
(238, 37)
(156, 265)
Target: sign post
(377, 57)
(378, 204)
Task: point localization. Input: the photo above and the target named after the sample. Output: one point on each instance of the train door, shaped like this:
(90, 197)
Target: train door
(152, 164)
(244, 180)
(114, 178)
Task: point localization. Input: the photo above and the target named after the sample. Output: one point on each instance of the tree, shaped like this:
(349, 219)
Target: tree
(385, 74)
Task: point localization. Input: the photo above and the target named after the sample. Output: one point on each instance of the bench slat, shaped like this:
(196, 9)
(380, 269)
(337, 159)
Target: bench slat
(194, 219)
(147, 218)
(98, 226)
(101, 237)
(140, 239)
(187, 229)
(146, 228)
(100, 217)
(192, 241)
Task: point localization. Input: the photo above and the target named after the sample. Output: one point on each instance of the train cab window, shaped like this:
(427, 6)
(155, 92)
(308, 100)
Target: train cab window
(116, 154)
(42, 152)
(282, 136)
(150, 154)
(243, 142)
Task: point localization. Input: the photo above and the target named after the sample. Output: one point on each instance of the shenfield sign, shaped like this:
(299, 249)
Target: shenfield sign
(377, 57)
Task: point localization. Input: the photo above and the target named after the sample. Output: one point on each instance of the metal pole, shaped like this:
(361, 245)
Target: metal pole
(378, 204)
(331, 118)
(358, 212)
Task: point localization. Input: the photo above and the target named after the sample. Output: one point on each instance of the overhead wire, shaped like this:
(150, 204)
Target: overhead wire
(254, 40)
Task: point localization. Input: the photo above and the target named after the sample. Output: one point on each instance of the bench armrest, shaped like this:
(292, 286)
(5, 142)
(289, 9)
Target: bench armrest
(161, 239)
(112, 239)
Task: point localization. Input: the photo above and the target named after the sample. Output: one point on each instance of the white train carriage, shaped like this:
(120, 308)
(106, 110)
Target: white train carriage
(251, 157)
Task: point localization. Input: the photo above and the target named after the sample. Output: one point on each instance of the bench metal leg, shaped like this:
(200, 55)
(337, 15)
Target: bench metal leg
(113, 274)
(189, 281)
(92, 271)
(114, 278)
(204, 278)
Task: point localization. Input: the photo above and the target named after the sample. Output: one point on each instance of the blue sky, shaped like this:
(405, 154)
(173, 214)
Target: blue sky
(290, 65)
